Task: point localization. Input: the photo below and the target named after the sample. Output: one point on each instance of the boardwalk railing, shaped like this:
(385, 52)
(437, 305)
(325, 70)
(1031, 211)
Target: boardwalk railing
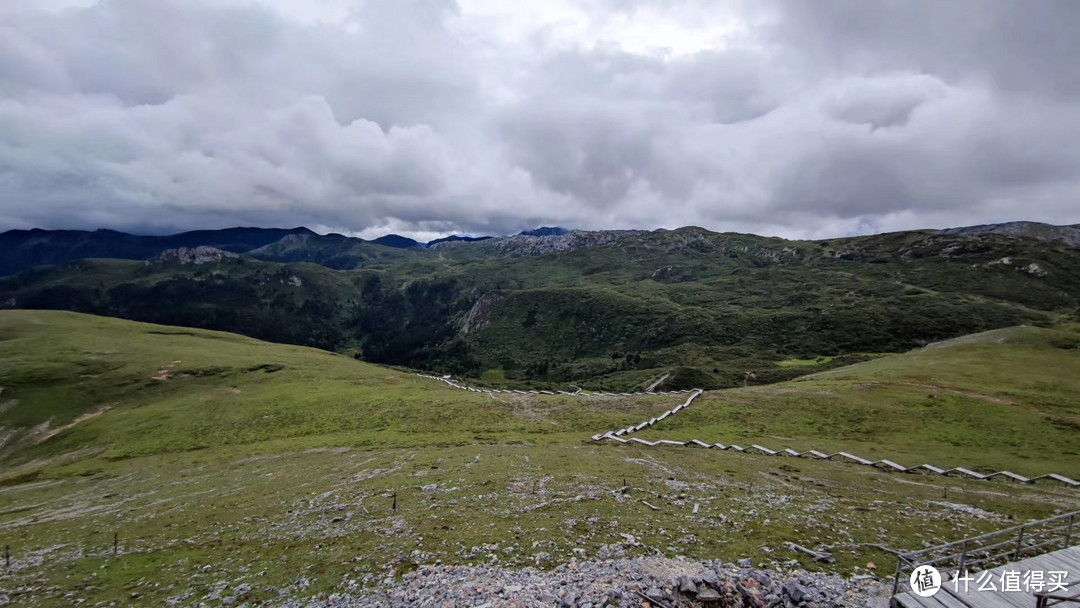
(885, 465)
(1043, 600)
(622, 436)
(993, 549)
(578, 393)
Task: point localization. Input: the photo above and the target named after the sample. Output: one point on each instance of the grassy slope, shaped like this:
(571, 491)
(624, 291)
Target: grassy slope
(1000, 399)
(224, 389)
(294, 475)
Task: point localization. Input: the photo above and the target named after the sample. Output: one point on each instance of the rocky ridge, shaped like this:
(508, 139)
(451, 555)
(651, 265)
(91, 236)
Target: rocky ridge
(193, 255)
(523, 245)
(1066, 235)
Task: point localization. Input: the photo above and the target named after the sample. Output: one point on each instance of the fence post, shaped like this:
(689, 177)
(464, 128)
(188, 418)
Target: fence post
(7, 556)
(1068, 531)
(896, 579)
(115, 543)
(1019, 543)
(963, 560)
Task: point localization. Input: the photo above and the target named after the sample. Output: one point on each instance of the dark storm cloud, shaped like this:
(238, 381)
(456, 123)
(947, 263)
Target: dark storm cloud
(420, 116)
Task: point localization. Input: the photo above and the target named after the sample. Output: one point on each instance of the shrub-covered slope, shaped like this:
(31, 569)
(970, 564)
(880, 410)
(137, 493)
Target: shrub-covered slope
(615, 310)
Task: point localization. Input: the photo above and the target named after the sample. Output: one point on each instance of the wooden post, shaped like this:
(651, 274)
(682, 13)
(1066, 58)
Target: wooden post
(963, 559)
(1068, 531)
(1019, 544)
(393, 507)
(896, 578)
(115, 543)
(7, 556)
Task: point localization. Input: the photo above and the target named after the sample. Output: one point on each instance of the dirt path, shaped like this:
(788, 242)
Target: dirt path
(60, 429)
(658, 382)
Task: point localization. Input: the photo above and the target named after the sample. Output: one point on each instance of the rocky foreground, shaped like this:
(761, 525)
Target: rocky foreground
(642, 583)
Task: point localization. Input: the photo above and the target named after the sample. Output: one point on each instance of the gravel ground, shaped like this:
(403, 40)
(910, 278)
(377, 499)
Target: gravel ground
(639, 583)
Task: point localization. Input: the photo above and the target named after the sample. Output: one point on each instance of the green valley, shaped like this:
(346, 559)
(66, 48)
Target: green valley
(215, 457)
(615, 310)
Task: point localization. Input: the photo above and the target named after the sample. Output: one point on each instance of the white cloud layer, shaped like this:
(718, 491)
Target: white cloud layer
(427, 117)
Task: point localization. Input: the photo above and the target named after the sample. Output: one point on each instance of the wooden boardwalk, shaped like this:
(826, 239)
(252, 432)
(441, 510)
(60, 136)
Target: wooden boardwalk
(954, 596)
(621, 436)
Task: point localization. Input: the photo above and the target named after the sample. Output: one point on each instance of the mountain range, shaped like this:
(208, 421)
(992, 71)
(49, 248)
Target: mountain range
(608, 309)
(25, 249)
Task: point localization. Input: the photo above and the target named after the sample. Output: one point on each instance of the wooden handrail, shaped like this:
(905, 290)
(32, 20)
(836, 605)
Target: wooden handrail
(1003, 532)
(1037, 534)
(1042, 599)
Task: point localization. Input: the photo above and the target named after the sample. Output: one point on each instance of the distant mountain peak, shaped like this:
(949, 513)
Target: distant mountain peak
(545, 231)
(456, 238)
(398, 242)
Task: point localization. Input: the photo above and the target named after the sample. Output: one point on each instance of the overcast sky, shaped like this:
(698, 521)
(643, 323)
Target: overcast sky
(426, 117)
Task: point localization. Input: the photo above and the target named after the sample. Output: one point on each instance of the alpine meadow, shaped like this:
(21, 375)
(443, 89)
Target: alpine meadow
(539, 304)
(325, 455)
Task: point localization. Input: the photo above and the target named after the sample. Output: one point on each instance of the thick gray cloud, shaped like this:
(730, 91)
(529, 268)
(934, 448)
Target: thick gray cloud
(432, 116)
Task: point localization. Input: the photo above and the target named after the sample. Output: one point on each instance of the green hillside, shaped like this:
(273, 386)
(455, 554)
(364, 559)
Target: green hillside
(70, 381)
(602, 310)
(215, 457)
(74, 382)
(331, 250)
(1003, 399)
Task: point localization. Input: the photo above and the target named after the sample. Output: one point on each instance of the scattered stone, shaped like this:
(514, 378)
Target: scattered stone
(636, 582)
(796, 592)
(686, 585)
(708, 595)
(818, 556)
